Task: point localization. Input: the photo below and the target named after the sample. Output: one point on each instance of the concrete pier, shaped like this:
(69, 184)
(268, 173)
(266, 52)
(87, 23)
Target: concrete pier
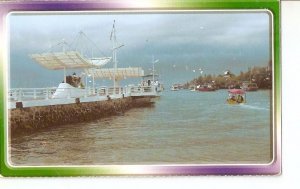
(30, 119)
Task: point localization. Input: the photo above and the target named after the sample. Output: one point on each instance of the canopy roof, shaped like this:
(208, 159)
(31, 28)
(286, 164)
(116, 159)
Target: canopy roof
(236, 91)
(68, 60)
(151, 75)
(121, 73)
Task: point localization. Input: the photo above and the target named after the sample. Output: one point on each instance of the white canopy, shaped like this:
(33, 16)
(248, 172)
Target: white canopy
(67, 60)
(121, 73)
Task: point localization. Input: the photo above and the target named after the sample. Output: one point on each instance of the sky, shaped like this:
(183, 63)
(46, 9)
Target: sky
(184, 43)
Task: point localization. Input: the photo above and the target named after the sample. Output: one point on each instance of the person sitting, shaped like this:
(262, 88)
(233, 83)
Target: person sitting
(240, 99)
(232, 97)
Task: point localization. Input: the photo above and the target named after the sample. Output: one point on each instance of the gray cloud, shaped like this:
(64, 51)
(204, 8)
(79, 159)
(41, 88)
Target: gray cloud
(213, 41)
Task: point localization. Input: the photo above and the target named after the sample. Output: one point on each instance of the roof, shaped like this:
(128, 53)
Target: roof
(236, 91)
(121, 73)
(68, 60)
(151, 75)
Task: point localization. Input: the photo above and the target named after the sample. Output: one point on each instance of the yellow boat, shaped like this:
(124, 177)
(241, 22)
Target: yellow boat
(236, 96)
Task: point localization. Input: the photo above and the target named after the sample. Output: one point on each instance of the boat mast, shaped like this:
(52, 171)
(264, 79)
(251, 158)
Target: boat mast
(113, 38)
(64, 43)
(114, 56)
(153, 69)
(153, 62)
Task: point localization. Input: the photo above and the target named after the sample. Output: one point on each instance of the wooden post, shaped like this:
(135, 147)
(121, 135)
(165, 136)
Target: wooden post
(106, 91)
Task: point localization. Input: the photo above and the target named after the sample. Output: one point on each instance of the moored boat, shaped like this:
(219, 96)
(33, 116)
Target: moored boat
(174, 87)
(152, 80)
(72, 86)
(249, 86)
(205, 88)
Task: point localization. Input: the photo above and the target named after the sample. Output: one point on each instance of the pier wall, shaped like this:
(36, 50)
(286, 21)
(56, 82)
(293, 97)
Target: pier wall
(29, 119)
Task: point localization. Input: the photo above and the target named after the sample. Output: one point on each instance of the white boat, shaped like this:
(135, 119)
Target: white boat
(65, 90)
(152, 80)
(72, 86)
(193, 88)
(175, 88)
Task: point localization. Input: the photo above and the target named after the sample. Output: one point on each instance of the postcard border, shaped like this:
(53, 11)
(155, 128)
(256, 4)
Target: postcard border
(186, 169)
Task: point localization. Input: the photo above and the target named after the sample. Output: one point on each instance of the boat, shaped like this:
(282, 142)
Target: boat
(175, 87)
(152, 80)
(72, 86)
(249, 86)
(192, 88)
(205, 88)
(236, 96)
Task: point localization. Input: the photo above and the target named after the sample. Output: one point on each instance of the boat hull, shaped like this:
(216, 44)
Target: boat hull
(251, 89)
(206, 89)
(65, 90)
(230, 101)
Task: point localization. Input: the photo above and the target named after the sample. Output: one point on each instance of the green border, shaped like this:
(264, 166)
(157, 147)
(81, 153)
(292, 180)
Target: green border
(271, 5)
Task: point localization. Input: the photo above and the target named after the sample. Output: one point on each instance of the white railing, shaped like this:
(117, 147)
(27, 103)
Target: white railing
(23, 94)
(141, 89)
(30, 93)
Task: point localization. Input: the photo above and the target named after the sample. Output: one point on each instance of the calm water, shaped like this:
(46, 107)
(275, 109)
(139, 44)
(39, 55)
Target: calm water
(182, 127)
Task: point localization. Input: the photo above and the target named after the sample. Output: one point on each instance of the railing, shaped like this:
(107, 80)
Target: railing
(23, 94)
(30, 93)
(141, 89)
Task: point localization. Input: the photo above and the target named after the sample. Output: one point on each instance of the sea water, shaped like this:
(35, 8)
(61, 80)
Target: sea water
(183, 127)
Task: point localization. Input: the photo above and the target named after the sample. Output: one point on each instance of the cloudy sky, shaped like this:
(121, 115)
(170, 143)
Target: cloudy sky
(182, 42)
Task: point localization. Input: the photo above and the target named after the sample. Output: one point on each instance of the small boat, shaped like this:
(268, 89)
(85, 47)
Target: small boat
(236, 96)
(205, 88)
(249, 86)
(175, 87)
(192, 88)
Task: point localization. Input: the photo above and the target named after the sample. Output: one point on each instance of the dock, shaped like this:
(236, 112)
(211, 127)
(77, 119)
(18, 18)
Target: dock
(33, 109)
(74, 101)
(33, 97)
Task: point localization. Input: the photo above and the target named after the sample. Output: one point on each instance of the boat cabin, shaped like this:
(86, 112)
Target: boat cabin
(152, 80)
